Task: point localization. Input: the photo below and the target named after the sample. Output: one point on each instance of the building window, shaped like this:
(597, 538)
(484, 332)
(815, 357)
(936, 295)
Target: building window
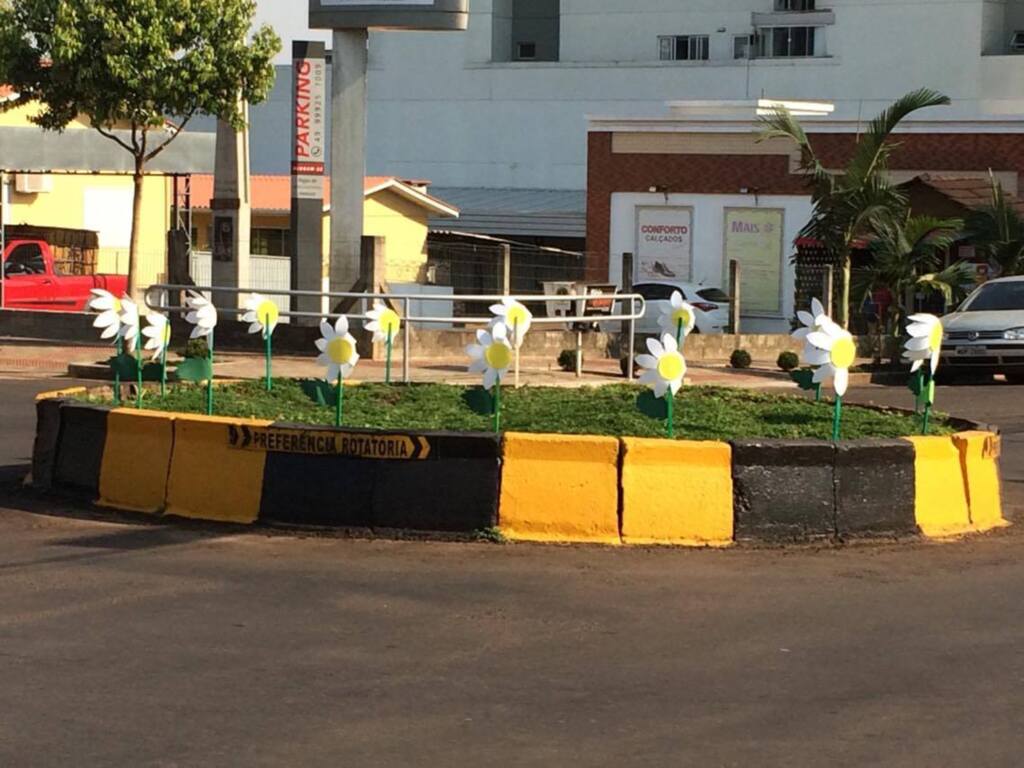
(684, 48)
(786, 42)
(741, 46)
(794, 5)
(269, 242)
(526, 51)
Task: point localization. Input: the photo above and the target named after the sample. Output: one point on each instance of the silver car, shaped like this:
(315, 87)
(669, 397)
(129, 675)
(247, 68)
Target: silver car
(986, 333)
(711, 305)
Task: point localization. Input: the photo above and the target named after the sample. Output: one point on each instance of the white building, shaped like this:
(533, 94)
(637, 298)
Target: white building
(505, 105)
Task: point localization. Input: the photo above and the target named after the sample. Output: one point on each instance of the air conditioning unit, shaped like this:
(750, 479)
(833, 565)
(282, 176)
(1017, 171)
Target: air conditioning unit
(33, 183)
(1017, 42)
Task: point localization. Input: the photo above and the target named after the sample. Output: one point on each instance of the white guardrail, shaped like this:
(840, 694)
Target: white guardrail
(157, 298)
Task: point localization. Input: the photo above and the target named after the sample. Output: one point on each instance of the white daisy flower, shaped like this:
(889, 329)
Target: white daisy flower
(516, 318)
(157, 333)
(261, 313)
(925, 341)
(337, 349)
(665, 366)
(383, 320)
(491, 355)
(203, 314)
(678, 311)
(814, 321)
(130, 321)
(834, 351)
(109, 308)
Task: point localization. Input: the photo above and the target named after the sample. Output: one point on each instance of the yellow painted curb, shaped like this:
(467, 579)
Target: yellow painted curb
(979, 461)
(560, 488)
(677, 492)
(136, 460)
(940, 494)
(209, 480)
(69, 392)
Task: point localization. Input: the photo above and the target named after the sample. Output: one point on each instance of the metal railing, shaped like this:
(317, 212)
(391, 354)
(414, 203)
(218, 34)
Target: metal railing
(157, 296)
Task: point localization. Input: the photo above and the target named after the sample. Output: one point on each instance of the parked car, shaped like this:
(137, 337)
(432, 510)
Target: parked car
(32, 281)
(711, 305)
(986, 333)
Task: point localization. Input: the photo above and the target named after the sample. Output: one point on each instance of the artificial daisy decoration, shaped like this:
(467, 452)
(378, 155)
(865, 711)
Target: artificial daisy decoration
(158, 339)
(517, 319)
(109, 322)
(338, 354)
(833, 352)
(131, 332)
(810, 322)
(262, 315)
(385, 324)
(492, 356)
(203, 316)
(924, 345)
(680, 318)
(664, 370)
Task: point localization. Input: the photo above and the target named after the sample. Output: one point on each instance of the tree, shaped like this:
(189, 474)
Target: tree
(129, 65)
(909, 256)
(997, 231)
(850, 203)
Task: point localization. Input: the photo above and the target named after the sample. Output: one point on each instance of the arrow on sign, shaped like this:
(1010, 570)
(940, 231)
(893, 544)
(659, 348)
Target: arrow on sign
(246, 437)
(232, 435)
(424, 446)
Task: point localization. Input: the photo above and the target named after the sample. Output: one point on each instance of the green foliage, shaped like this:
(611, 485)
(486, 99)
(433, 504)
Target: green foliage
(701, 413)
(804, 378)
(997, 231)
(123, 366)
(651, 406)
(129, 65)
(567, 360)
(788, 361)
(194, 369)
(850, 204)
(479, 401)
(197, 348)
(740, 358)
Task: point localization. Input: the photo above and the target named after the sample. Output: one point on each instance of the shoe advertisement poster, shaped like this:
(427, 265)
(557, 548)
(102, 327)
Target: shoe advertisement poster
(664, 243)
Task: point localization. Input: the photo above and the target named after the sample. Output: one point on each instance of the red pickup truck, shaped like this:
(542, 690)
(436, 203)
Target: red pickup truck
(32, 281)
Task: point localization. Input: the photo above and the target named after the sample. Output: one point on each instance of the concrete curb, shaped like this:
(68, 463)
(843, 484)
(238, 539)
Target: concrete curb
(551, 488)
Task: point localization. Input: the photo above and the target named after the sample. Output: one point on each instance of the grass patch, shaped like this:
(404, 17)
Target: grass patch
(701, 413)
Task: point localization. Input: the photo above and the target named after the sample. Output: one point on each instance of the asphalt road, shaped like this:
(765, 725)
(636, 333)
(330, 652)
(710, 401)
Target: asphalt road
(127, 644)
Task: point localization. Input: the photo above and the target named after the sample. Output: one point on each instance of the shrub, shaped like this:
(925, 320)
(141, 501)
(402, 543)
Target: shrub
(740, 358)
(567, 360)
(197, 348)
(788, 361)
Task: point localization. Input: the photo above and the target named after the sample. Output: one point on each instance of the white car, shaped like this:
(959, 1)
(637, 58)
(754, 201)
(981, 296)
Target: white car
(711, 305)
(986, 333)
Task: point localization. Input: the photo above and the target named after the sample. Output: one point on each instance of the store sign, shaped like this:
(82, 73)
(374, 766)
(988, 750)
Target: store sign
(664, 243)
(753, 237)
(310, 145)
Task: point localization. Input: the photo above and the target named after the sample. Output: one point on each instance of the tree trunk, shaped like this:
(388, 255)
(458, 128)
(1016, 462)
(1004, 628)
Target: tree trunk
(134, 257)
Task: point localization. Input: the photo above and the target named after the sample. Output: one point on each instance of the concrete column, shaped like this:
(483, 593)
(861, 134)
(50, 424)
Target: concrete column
(232, 214)
(348, 155)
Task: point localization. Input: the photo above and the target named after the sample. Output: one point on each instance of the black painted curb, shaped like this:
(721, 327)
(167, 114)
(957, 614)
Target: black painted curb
(44, 448)
(875, 487)
(79, 455)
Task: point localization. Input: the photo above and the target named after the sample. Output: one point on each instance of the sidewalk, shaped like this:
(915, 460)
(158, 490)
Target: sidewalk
(27, 358)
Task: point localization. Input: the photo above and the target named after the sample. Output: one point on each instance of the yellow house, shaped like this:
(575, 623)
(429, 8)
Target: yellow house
(394, 209)
(97, 200)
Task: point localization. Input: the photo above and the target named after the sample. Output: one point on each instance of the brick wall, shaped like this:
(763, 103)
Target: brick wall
(727, 174)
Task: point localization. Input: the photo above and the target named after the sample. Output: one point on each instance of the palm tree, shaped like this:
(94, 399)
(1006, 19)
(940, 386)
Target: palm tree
(850, 204)
(909, 256)
(997, 231)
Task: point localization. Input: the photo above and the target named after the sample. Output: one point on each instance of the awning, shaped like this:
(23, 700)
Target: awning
(519, 212)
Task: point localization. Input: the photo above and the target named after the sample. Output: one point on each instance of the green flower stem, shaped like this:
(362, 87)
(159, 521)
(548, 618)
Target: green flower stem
(929, 399)
(339, 401)
(671, 413)
(497, 407)
(267, 339)
(515, 334)
(679, 332)
(117, 376)
(817, 393)
(387, 364)
(837, 418)
(163, 372)
(209, 381)
(138, 369)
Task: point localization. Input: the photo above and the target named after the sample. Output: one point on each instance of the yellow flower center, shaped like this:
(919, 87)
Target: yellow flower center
(390, 321)
(516, 315)
(117, 306)
(340, 350)
(498, 356)
(844, 352)
(935, 338)
(681, 316)
(267, 313)
(671, 366)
